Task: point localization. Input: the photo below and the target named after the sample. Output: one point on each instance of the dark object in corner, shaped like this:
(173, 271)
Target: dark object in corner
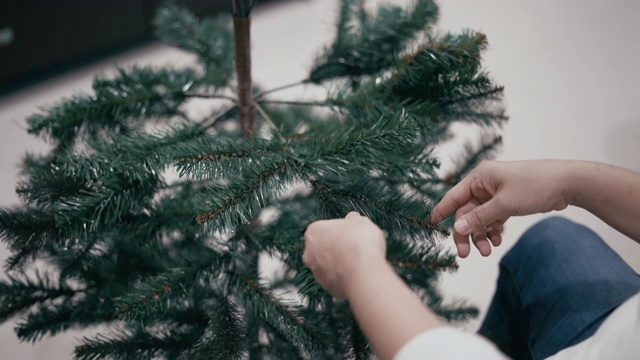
(39, 38)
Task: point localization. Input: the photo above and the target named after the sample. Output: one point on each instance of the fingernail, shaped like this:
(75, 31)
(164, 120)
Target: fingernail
(434, 218)
(462, 226)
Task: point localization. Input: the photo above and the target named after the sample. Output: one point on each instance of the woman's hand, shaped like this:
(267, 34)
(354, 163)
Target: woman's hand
(494, 191)
(337, 250)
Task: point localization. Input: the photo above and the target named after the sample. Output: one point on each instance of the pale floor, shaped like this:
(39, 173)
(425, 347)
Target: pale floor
(570, 69)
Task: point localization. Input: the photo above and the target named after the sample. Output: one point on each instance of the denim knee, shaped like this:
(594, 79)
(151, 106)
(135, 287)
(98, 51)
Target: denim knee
(545, 240)
(563, 281)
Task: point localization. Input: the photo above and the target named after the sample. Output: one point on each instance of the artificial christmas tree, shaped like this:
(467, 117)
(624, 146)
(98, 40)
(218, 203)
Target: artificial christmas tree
(171, 264)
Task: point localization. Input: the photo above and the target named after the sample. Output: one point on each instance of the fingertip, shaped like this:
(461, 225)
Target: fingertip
(352, 214)
(495, 236)
(483, 247)
(435, 218)
(463, 250)
(496, 240)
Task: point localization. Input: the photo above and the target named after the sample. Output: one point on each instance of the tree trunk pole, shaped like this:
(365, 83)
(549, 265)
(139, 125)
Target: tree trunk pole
(242, 32)
(249, 125)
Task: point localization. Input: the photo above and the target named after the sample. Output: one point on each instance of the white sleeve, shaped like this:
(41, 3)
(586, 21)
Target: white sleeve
(444, 343)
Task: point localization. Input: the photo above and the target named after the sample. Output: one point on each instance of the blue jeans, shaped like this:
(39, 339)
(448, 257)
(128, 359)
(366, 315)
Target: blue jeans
(556, 287)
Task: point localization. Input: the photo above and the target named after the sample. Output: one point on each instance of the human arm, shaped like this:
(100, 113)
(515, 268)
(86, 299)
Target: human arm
(347, 257)
(386, 309)
(609, 192)
(495, 191)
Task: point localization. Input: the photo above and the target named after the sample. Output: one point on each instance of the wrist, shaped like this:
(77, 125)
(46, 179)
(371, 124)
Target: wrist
(571, 180)
(362, 270)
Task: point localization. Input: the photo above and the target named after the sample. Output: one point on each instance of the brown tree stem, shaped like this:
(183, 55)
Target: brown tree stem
(242, 32)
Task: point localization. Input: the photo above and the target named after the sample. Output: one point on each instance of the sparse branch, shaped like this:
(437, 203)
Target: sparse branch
(283, 87)
(491, 92)
(301, 103)
(266, 117)
(210, 96)
(211, 122)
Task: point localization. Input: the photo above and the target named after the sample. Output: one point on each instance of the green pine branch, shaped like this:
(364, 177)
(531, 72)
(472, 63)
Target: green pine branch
(49, 320)
(210, 39)
(283, 317)
(107, 202)
(442, 80)
(422, 257)
(339, 149)
(226, 339)
(451, 311)
(119, 105)
(397, 213)
(159, 293)
(273, 345)
(102, 189)
(19, 295)
(359, 343)
(374, 46)
(451, 67)
(133, 157)
(229, 206)
(29, 229)
(284, 235)
(456, 312)
(139, 344)
(212, 157)
(418, 265)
